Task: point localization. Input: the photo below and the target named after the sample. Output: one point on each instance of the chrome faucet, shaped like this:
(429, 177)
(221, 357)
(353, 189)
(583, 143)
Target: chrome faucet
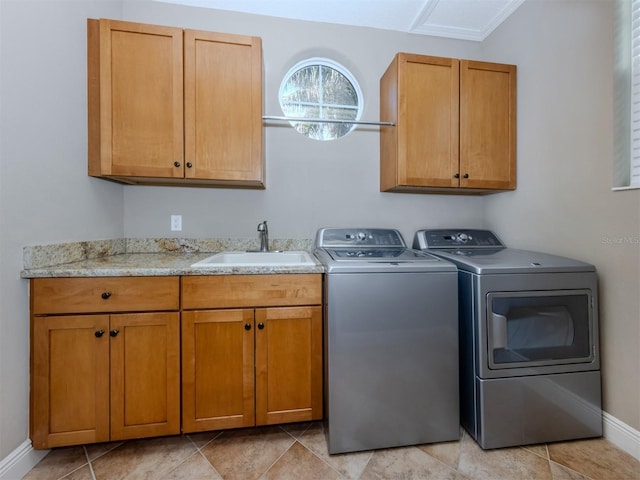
(264, 236)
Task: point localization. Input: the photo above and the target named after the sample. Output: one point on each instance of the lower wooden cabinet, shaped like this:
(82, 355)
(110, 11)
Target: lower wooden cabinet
(217, 370)
(145, 375)
(220, 386)
(103, 370)
(70, 381)
(251, 365)
(105, 377)
(97, 377)
(288, 365)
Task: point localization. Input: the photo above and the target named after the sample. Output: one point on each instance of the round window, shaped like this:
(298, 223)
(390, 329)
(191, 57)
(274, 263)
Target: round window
(321, 89)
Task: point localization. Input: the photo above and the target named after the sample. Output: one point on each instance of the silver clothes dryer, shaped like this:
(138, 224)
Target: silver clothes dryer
(529, 349)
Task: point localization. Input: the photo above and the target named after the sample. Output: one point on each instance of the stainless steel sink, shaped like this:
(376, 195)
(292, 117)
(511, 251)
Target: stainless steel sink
(257, 259)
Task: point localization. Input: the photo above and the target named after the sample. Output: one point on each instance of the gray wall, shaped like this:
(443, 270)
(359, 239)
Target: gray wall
(564, 160)
(564, 203)
(45, 194)
(310, 183)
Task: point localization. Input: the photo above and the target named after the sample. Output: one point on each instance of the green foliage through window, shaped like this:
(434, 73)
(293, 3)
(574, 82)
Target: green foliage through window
(321, 89)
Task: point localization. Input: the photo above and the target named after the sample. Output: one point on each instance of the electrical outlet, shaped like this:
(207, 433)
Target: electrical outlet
(176, 223)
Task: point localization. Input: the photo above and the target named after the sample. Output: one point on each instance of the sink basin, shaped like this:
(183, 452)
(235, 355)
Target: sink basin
(257, 259)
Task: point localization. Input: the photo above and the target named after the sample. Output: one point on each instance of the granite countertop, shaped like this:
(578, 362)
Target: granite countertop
(148, 257)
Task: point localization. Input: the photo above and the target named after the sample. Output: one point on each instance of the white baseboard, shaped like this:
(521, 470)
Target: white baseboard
(621, 435)
(24, 458)
(20, 461)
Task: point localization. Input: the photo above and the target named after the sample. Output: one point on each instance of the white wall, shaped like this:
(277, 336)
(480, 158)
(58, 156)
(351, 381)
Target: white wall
(45, 194)
(564, 160)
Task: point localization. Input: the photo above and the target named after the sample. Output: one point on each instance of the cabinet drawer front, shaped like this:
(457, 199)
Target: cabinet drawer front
(108, 294)
(229, 291)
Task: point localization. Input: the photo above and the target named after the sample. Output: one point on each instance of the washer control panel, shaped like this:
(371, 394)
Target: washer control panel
(442, 238)
(359, 237)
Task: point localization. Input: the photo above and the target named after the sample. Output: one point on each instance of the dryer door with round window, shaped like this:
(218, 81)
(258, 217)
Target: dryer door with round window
(537, 328)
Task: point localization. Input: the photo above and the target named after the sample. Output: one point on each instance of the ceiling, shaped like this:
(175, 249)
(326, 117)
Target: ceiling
(461, 19)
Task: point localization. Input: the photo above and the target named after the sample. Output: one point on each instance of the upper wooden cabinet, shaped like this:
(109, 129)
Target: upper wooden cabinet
(455, 126)
(172, 106)
(223, 107)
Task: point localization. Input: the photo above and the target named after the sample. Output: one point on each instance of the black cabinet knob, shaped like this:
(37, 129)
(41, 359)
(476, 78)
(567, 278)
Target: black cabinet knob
(247, 326)
(189, 164)
(466, 175)
(99, 333)
(114, 332)
(176, 164)
(457, 175)
(261, 325)
(105, 295)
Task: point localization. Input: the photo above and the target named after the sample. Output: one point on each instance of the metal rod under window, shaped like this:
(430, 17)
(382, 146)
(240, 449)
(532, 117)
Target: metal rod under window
(326, 120)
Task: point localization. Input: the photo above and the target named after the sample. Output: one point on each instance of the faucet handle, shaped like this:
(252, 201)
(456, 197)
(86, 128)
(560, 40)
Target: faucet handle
(262, 227)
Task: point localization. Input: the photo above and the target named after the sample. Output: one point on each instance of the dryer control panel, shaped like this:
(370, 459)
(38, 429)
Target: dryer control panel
(456, 238)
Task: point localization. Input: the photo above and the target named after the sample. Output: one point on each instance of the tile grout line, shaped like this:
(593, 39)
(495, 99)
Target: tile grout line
(302, 443)
(199, 450)
(417, 447)
(86, 454)
(216, 436)
(278, 459)
(66, 474)
(587, 477)
(298, 439)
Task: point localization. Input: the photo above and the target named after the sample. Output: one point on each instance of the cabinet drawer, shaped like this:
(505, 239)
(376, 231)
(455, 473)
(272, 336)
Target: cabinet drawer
(231, 291)
(104, 294)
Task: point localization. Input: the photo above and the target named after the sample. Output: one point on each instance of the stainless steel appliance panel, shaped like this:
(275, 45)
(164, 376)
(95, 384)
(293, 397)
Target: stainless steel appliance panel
(534, 328)
(391, 358)
(538, 409)
(404, 260)
(547, 287)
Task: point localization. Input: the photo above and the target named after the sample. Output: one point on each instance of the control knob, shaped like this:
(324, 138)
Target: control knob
(362, 236)
(463, 237)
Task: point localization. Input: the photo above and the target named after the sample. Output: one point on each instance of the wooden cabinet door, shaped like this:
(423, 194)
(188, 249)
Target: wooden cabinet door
(135, 80)
(145, 375)
(487, 125)
(420, 94)
(428, 121)
(288, 364)
(223, 108)
(217, 369)
(69, 380)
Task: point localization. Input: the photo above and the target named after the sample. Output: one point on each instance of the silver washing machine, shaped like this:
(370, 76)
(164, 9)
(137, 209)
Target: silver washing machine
(529, 349)
(391, 342)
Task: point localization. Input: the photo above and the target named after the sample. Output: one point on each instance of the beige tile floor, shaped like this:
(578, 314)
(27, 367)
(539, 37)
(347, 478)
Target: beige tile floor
(299, 452)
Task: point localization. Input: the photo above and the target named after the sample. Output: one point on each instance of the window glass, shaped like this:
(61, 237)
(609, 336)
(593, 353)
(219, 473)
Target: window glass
(319, 88)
